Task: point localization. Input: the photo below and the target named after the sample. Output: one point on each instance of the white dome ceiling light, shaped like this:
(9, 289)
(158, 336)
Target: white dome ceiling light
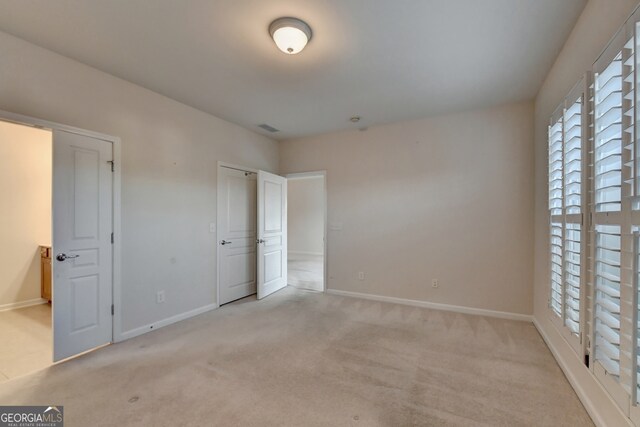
(290, 34)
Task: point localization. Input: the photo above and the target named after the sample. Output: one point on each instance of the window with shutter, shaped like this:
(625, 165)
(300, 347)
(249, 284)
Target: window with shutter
(572, 136)
(613, 333)
(594, 160)
(566, 206)
(608, 198)
(556, 203)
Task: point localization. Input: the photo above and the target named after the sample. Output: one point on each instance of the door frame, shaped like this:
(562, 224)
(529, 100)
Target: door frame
(318, 174)
(116, 286)
(218, 206)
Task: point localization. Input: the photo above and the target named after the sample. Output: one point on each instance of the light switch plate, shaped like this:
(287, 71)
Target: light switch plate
(212, 227)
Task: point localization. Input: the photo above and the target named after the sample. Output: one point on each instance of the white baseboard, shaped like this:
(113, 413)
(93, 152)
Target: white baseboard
(435, 305)
(589, 405)
(165, 322)
(289, 253)
(23, 304)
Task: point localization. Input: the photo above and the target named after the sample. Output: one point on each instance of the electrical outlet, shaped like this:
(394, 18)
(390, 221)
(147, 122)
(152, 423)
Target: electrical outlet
(160, 297)
(434, 283)
(361, 275)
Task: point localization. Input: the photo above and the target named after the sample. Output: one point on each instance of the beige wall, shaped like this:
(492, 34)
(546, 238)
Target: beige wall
(447, 197)
(169, 155)
(596, 26)
(25, 216)
(305, 216)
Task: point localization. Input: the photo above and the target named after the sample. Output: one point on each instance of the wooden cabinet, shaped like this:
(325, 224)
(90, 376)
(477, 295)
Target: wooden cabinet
(45, 272)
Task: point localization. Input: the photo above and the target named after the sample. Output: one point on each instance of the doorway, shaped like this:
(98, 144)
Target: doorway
(252, 233)
(307, 230)
(67, 197)
(25, 248)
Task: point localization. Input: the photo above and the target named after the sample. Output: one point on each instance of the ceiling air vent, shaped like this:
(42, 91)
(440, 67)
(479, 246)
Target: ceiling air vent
(268, 128)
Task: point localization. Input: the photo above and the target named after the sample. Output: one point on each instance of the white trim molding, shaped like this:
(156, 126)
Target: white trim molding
(22, 304)
(435, 305)
(166, 322)
(7, 116)
(593, 408)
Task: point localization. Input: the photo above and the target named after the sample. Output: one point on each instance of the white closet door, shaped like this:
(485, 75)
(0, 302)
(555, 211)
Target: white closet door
(272, 233)
(237, 234)
(82, 249)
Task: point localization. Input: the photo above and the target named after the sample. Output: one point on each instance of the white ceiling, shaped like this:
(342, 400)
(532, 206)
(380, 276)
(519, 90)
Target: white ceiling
(384, 60)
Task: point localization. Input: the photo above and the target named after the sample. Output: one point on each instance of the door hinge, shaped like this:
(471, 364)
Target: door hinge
(113, 165)
(112, 238)
(113, 309)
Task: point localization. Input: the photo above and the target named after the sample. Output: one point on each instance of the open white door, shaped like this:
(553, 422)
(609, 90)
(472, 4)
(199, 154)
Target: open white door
(82, 249)
(272, 233)
(236, 233)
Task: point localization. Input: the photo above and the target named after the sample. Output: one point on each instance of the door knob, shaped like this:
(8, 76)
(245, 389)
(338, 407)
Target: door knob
(225, 242)
(260, 241)
(62, 257)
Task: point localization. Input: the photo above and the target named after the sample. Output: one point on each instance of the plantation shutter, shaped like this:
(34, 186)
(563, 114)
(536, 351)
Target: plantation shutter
(556, 203)
(573, 277)
(608, 197)
(608, 137)
(556, 268)
(607, 307)
(555, 169)
(574, 272)
(567, 197)
(630, 93)
(613, 183)
(572, 131)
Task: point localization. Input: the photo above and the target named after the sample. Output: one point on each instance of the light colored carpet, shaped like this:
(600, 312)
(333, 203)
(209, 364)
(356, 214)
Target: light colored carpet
(26, 341)
(305, 271)
(308, 359)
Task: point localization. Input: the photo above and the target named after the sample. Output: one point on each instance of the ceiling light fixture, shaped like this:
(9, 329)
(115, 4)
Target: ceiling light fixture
(291, 35)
